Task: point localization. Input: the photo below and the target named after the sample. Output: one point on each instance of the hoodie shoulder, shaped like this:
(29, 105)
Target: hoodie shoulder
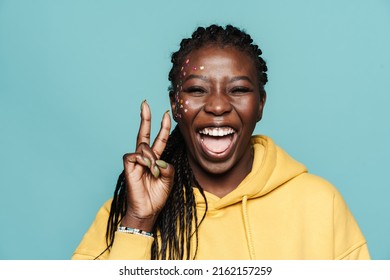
(94, 240)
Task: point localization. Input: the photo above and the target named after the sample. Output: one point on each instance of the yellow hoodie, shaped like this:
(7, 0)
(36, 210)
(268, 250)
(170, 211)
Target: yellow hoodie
(279, 211)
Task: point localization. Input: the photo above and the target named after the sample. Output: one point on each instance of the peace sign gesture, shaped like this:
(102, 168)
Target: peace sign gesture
(148, 179)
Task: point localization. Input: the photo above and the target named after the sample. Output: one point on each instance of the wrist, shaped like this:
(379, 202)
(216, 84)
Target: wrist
(145, 224)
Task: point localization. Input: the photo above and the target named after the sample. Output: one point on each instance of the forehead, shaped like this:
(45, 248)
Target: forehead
(216, 56)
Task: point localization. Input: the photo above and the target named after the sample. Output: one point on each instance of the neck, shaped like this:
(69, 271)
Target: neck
(224, 183)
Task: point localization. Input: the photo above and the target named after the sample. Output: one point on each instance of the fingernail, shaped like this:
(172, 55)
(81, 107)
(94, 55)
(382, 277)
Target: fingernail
(147, 161)
(167, 111)
(142, 104)
(161, 163)
(155, 172)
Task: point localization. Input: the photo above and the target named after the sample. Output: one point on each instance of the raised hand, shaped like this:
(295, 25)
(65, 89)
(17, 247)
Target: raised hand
(148, 179)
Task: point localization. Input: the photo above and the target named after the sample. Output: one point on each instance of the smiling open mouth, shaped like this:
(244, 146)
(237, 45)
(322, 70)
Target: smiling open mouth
(216, 140)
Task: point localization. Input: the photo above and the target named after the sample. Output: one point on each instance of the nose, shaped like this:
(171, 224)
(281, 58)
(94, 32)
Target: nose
(218, 103)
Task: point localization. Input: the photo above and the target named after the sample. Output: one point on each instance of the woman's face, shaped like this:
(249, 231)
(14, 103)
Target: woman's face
(217, 105)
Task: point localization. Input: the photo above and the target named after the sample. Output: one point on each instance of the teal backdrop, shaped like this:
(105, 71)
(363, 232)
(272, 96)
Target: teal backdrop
(73, 75)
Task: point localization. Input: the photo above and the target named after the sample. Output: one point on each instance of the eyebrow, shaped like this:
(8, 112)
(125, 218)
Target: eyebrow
(193, 76)
(238, 78)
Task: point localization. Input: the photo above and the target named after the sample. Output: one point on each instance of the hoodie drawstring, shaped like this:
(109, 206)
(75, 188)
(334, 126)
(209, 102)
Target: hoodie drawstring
(247, 228)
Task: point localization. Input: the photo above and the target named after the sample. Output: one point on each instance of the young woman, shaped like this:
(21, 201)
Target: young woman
(211, 190)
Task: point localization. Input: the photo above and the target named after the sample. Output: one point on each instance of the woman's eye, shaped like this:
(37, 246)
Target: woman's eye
(239, 90)
(195, 90)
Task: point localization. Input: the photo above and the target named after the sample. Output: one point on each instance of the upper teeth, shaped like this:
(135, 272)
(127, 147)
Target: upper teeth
(217, 131)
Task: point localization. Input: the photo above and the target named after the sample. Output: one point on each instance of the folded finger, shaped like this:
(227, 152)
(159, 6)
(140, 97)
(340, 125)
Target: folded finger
(131, 160)
(149, 156)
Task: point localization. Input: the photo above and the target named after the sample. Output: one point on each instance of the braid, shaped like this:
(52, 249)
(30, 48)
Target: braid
(175, 222)
(118, 210)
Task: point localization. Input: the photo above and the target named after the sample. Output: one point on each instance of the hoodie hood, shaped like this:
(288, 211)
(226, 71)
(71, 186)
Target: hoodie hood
(272, 167)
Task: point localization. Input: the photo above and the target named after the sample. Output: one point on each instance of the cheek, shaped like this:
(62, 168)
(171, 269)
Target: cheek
(188, 107)
(184, 104)
(248, 109)
(180, 107)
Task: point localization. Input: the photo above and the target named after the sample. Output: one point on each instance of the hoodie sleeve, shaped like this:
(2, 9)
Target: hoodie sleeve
(349, 242)
(126, 246)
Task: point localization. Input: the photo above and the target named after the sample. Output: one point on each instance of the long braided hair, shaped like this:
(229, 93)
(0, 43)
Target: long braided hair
(178, 221)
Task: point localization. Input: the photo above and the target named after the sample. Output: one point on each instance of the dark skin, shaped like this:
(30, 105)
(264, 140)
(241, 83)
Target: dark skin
(219, 94)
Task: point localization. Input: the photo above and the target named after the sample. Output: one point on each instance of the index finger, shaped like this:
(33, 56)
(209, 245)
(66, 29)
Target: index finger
(144, 127)
(162, 138)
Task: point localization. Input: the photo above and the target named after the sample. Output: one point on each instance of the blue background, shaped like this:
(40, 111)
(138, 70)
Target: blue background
(73, 75)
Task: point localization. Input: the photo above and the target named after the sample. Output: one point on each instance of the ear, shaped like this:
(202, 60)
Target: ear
(263, 98)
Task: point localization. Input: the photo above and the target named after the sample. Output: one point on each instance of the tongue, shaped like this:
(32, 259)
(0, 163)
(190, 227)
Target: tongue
(217, 144)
